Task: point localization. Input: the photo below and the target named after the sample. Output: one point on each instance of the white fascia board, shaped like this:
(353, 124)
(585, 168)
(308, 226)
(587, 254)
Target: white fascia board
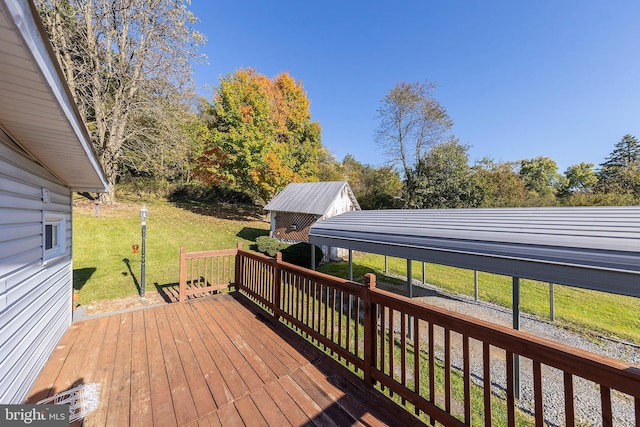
(22, 12)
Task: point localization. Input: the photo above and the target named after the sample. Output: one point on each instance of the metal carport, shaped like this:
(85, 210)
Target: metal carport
(588, 247)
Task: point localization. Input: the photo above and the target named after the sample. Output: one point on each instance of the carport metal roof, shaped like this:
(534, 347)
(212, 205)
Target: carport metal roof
(589, 247)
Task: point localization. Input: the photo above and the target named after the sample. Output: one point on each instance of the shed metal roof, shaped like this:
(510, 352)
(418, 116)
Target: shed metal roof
(36, 107)
(313, 198)
(589, 247)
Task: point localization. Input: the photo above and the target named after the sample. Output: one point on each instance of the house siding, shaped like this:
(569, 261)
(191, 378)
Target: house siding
(35, 299)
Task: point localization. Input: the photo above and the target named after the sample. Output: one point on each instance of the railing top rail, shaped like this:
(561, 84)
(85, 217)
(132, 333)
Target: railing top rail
(206, 254)
(255, 255)
(306, 273)
(322, 277)
(606, 371)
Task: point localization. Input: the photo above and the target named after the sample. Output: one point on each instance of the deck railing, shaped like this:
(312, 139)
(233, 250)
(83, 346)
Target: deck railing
(206, 271)
(435, 362)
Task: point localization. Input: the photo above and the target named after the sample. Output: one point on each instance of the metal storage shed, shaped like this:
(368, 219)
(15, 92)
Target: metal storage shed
(588, 247)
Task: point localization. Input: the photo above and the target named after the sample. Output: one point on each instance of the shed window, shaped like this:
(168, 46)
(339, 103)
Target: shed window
(53, 236)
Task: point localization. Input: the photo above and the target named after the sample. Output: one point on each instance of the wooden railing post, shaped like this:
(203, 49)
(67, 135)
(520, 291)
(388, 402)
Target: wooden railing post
(276, 285)
(370, 327)
(183, 273)
(238, 267)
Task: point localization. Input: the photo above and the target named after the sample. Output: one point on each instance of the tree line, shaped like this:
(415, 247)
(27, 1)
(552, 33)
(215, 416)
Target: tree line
(415, 130)
(129, 68)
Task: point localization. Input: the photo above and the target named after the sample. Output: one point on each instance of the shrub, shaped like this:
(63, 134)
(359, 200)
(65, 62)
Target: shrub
(298, 254)
(270, 246)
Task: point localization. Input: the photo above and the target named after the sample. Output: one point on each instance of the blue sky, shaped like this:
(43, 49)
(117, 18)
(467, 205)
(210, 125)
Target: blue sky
(520, 79)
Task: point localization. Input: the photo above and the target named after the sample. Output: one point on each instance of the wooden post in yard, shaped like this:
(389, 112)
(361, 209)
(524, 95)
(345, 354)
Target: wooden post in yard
(370, 328)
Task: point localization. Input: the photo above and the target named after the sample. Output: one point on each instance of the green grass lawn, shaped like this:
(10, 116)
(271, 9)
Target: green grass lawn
(105, 266)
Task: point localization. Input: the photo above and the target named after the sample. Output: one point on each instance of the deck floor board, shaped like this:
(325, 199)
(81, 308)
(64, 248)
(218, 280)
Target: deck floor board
(215, 361)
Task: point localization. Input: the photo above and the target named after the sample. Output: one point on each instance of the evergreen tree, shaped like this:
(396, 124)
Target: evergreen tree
(620, 173)
(625, 152)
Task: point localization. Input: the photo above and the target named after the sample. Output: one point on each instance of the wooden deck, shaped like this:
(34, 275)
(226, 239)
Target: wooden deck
(215, 361)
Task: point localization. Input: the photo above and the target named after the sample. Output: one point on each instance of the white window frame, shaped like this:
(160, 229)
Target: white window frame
(57, 222)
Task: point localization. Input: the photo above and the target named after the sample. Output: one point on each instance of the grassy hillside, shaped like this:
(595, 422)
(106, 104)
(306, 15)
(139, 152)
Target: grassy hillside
(106, 268)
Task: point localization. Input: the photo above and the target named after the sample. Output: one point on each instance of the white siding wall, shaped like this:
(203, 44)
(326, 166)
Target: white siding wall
(35, 299)
(340, 205)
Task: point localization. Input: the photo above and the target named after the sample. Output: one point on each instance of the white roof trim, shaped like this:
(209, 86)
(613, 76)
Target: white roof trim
(24, 17)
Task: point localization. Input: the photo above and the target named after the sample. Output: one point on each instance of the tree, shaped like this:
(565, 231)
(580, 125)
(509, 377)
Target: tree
(500, 184)
(166, 143)
(374, 187)
(329, 168)
(541, 176)
(118, 57)
(625, 152)
(581, 178)
(261, 135)
(381, 188)
(621, 170)
(442, 178)
(411, 121)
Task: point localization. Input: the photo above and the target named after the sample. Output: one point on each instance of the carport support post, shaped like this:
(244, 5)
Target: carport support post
(552, 308)
(424, 273)
(351, 264)
(409, 280)
(516, 325)
(386, 264)
(313, 256)
(410, 295)
(475, 284)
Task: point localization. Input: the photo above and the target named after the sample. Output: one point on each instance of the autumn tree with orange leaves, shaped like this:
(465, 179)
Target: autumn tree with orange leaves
(261, 136)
